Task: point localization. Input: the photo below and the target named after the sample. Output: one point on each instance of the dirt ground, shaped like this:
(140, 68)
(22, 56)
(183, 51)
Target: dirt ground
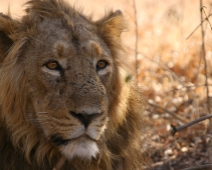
(171, 72)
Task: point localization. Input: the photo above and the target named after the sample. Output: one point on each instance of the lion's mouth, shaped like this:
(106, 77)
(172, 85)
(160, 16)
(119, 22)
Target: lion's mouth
(58, 140)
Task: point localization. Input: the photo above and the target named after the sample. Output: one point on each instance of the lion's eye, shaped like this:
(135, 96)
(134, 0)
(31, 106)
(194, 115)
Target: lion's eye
(52, 65)
(101, 64)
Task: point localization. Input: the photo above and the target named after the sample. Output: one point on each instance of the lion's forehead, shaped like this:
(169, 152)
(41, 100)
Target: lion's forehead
(64, 47)
(89, 51)
(79, 35)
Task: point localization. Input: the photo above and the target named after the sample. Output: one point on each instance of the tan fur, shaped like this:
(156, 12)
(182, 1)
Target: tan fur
(38, 105)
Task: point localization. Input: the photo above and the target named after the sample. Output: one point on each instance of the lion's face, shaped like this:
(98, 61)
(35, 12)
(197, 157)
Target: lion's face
(69, 82)
(61, 70)
(64, 90)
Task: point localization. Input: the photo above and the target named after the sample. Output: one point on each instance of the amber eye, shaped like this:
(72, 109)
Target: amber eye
(101, 64)
(52, 65)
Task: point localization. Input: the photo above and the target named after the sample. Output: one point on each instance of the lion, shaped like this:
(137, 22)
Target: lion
(64, 91)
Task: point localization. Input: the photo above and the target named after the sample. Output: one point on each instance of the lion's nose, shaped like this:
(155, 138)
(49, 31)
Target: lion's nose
(84, 118)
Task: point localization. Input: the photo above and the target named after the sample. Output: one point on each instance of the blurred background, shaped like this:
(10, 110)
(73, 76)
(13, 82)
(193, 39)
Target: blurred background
(164, 45)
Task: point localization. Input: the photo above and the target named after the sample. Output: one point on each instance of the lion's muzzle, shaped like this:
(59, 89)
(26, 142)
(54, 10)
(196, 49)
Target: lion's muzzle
(85, 118)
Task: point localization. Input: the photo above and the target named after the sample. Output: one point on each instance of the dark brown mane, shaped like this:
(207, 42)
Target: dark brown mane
(50, 8)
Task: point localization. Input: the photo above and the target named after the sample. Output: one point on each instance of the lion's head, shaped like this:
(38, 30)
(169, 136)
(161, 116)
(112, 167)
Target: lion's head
(61, 80)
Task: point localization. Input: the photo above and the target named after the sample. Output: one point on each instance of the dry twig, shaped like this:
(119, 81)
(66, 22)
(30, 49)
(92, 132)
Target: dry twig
(136, 40)
(204, 56)
(188, 87)
(173, 74)
(206, 19)
(177, 129)
(167, 111)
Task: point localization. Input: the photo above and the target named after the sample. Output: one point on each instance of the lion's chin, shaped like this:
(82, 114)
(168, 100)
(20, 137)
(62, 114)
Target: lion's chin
(83, 149)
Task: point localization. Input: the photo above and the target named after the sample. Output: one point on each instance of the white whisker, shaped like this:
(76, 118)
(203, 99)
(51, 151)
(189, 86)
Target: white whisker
(36, 39)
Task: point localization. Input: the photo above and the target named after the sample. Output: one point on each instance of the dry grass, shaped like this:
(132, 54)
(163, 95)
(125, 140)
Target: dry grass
(171, 71)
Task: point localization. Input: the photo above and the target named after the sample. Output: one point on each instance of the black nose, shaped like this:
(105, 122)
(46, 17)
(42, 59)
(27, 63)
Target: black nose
(84, 118)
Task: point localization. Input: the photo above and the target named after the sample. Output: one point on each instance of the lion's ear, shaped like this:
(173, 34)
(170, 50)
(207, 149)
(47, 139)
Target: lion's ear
(8, 27)
(112, 24)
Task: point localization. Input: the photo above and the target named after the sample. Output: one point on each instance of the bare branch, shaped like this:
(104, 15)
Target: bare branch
(204, 57)
(198, 26)
(206, 16)
(167, 111)
(136, 40)
(177, 129)
(188, 87)
(162, 66)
